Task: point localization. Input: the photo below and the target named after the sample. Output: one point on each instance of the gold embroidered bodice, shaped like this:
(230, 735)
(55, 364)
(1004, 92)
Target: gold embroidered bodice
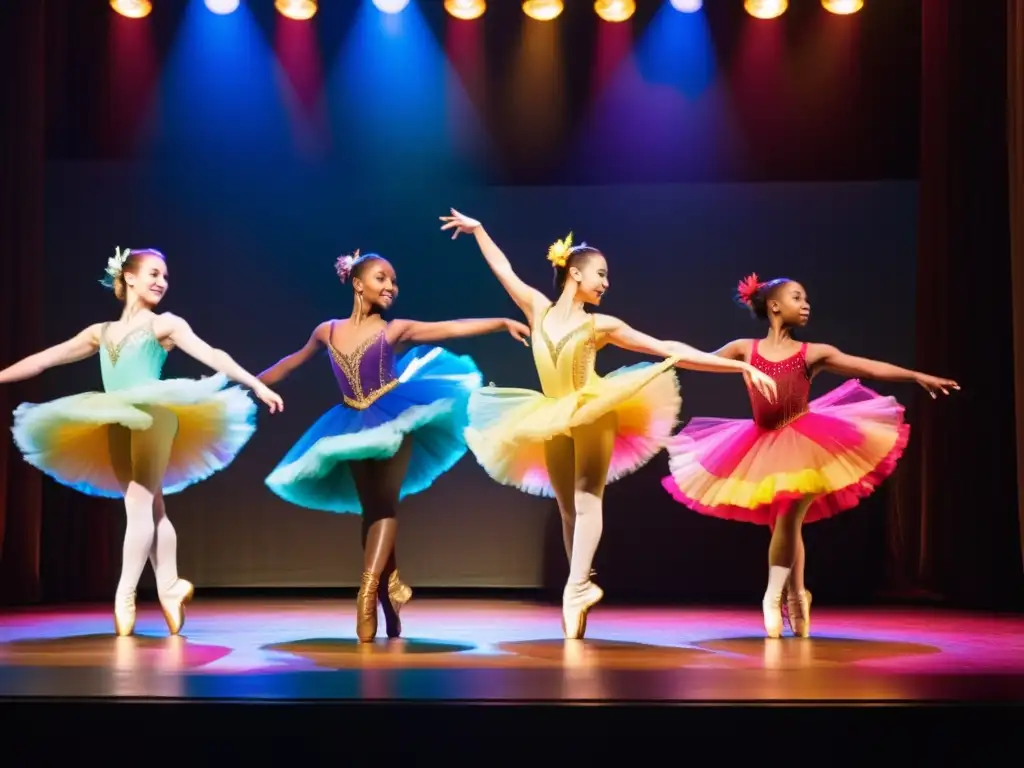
(564, 365)
(367, 372)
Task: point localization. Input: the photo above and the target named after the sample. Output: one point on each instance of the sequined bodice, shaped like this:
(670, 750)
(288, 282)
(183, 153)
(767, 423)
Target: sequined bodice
(135, 359)
(793, 382)
(564, 365)
(367, 372)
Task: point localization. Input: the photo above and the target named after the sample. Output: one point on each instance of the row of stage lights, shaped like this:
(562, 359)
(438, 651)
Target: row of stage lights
(541, 10)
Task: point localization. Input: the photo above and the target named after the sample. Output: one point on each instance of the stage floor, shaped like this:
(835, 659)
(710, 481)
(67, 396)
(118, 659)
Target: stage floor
(475, 650)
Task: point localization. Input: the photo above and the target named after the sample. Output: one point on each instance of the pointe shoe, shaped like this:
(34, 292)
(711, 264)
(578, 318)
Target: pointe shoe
(772, 609)
(577, 600)
(798, 606)
(124, 614)
(392, 599)
(366, 608)
(173, 600)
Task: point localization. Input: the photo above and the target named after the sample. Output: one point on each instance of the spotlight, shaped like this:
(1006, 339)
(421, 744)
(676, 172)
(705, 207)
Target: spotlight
(765, 9)
(687, 6)
(467, 10)
(842, 7)
(297, 10)
(543, 10)
(133, 9)
(615, 10)
(222, 7)
(390, 6)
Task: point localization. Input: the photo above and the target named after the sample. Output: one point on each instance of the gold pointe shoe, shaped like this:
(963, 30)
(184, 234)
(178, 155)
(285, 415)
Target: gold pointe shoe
(124, 615)
(772, 610)
(577, 600)
(798, 608)
(397, 594)
(173, 604)
(366, 608)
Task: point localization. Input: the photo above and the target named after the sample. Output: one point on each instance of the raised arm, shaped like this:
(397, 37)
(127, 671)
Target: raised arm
(80, 346)
(828, 358)
(284, 367)
(416, 332)
(611, 330)
(738, 349)
(527, 298)
(184, 338)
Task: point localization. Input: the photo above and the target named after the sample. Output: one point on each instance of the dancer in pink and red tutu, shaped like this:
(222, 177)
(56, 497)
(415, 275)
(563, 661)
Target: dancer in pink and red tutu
(796, 461)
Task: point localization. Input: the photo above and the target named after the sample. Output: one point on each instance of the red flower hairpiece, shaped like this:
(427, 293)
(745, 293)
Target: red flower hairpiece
(747, 287)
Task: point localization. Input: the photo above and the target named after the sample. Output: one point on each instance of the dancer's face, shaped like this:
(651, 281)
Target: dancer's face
(377, 284)
(149, 280)
(591, 278)
(790, 305)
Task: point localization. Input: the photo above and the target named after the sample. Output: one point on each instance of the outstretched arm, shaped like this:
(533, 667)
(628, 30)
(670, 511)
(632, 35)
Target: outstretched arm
(185, 339)
(528, 299)
(284, 367)
(84, 344)
(417, 332)
(828, 358)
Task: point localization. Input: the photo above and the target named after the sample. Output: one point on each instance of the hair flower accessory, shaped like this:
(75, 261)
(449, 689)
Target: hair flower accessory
(343, 266)
(747, 288)
(559, 251)
(115, 266)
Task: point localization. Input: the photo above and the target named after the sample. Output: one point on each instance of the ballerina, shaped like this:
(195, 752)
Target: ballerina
(796, 461)
(143, 437)
(399, 426)
(584, 430)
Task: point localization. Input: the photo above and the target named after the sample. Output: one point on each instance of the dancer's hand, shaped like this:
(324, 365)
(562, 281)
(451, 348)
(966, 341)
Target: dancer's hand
(272, 400)
(519, 331)
(933, 384)
(762, 383)
(459, 223)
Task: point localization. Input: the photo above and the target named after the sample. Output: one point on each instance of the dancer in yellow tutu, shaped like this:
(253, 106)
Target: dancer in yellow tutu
(584, 430)
(142, 438)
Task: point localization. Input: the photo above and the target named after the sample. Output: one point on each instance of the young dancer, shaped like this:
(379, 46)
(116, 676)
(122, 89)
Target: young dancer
(398, 429)
(795, 462)
(585, 430)
(142, 438)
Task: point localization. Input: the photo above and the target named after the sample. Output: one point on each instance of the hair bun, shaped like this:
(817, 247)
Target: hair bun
(747, 288)
(343, 265)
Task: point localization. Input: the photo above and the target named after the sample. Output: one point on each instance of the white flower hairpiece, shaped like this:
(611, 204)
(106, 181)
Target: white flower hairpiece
(115, 266)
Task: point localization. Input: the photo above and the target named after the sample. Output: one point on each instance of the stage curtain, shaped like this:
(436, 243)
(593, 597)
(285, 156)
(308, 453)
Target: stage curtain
(22, 142)
(1015, 145)
(954, 531)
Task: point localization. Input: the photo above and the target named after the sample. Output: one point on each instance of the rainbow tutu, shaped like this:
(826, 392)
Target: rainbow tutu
(509, 427)
(840, 450)
(428, 406)
(68, 438)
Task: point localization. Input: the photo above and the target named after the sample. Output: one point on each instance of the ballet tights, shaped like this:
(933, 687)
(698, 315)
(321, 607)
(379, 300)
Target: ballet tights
(786, 552)
(378, 484)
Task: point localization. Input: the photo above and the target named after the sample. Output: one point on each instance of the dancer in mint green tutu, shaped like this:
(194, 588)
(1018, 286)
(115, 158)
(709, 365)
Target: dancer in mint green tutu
(143, 437)
(398, 428)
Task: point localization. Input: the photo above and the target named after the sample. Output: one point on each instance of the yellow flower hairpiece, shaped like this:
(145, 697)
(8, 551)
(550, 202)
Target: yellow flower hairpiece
(558, 253)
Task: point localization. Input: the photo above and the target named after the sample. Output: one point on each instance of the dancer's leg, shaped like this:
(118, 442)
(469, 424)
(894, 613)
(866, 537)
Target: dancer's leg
(782, 556)
(560, 459)
(163, 556)
(141, 456)
(593, 446)
(378, 484)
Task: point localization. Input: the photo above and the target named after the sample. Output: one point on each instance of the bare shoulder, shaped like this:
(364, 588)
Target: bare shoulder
(606, 323)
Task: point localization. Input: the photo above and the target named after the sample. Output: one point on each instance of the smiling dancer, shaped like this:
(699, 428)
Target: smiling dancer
(399, 426)
(584, 430)
(796, 461)
(142, 438)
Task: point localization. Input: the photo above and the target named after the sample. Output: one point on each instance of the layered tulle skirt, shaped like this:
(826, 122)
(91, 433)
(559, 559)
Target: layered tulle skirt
(510, 427)
(69, 439)
(840, 450)
(428, 406)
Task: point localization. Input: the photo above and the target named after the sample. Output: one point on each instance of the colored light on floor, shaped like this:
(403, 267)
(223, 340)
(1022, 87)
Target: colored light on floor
(467, 10)
(615, 10)
(543, 10)
(765, 9)
(297, 10)
(133, 9)
(842, 7)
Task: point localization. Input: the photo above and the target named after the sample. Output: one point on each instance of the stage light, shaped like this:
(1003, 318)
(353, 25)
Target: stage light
(543, 10)
(296, 10)
(467, 10)
(615, 10)
(390, 6)
(687, 6)
(133, 9)
(222, 7)
(765, 9)
(842, 7)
